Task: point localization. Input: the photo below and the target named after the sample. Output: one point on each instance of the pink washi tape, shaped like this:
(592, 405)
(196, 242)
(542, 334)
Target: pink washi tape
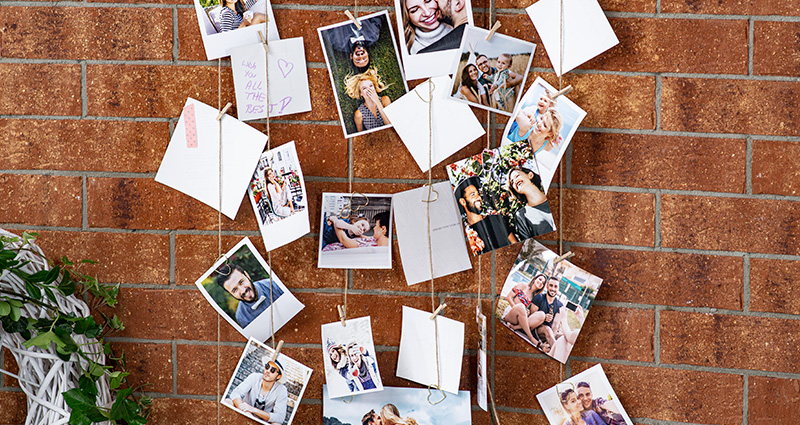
(190, 123)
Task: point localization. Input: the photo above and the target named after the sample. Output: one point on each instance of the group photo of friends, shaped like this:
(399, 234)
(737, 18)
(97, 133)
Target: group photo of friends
(545, 303)
(364, 67)
(243, 289)
(350, 363)
(266, 390)
(501, 198)
(356, 231)
(584, 399)
(491, 74)
(396, 406)
(547, 120)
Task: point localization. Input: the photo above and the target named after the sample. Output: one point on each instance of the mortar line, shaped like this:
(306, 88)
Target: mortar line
(746, 283)
(84, 91)
(84, 203)
(657, 336)
(657, 220)
(174, 347)
(750, 44)
(745, 398)
(748, 164)
(175, 40)
(172, 279)
(659, 88)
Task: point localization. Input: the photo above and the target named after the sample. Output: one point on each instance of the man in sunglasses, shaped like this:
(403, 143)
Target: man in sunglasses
(254, 297)
(263, 395)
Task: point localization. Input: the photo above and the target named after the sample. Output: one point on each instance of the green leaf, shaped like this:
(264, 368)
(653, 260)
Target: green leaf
(5, 308)
(49, 293)
(87, 386)
(126, 409)
(7, 255)
(15, 303)
(88, 262)
(116, 379)
(33, 291)
(116, 324)
(66, 261)
(39, 276)
(84, 409)
(66, 286)
(52, 275)
(87, 326)
(16, 313)
(28, 237)
(107, 348)
(43, 341)
(96, 370)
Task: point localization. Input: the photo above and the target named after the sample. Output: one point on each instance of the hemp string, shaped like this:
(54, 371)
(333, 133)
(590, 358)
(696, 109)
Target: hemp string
(219, 221)
(269, 159)
(561, 162)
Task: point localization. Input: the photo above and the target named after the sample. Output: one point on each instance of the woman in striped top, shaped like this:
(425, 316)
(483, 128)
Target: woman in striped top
(235, 14)
(366, 86)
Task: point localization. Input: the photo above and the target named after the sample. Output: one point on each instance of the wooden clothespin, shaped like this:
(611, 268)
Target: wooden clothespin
(263, 41)
(562, 92)
(438, 309)
(225, 109)
(569, 254)
(277, 351)
(493, 30)
(341, 314)
(352, 18)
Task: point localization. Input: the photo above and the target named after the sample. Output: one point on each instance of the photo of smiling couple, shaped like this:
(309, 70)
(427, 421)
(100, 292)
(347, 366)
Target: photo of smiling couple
(433, 25)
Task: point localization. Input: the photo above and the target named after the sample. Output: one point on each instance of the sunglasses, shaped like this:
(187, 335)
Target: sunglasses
(272, 369)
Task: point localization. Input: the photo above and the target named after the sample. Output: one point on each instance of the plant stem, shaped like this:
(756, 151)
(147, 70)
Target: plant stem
(29, 299)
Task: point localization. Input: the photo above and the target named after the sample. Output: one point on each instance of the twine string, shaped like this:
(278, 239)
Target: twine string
(561, 162)
(269, 159)
(219, 225)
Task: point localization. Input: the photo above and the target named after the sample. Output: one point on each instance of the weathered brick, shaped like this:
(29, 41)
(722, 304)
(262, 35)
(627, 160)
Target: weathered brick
(127, 146)
(147, 363)
(662, 162)
(617, 333)
(645, 277)
(775, 167)
(321, 149)
(708, 339)
(726, 223)
(197, 366)
(152, 90)
(133, 203)
(9, 364)
(775, 50)
(86, 33)
(114, 252)
(686, 394)
(463, 310)
(40, 89)
(730, 106)
(732, 7)
(771, 400)
(771, 284)
(14, 407)
(190, 43)
(40, 200)
(611, 217)
(519, 379)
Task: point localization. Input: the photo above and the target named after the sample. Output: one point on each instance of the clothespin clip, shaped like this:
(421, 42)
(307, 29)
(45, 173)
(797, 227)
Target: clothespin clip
(493, 30)
(562, 92)
(341, 314)
(263, 41)
(569, 254)
(225, 109)
(352, 18)
(277, 350)
(438, 309)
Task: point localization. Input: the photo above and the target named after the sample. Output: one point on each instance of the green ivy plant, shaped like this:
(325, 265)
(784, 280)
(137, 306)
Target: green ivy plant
(58, 330)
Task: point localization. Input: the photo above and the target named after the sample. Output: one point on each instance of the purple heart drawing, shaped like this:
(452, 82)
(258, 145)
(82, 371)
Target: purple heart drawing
(285, 67)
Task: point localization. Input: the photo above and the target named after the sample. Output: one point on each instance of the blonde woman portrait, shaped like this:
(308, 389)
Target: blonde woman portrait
(421, 24)
(365, 87)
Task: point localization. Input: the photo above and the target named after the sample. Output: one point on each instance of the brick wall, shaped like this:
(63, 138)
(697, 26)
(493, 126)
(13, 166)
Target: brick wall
(681, 190)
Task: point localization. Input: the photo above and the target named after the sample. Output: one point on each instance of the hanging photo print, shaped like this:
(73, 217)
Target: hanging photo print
(364, 67)
(288, 79)
(408, 406)
(430, 34)
(491, 74)
(417, 360)
(356, 231)
(244, 291)
(278, 195)
(265, 390)
(191, 163)
(500, 197)
(585, 398)
(582, 33)
(544, 303)
(547, 122)
(225, 24)
(351, 366)
(483, 383)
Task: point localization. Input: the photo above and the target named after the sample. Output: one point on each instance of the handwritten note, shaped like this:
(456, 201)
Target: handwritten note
(288, 79)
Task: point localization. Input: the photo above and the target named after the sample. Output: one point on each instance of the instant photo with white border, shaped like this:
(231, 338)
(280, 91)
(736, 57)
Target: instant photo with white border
(217, 44)
(284, 307)
(340, 344)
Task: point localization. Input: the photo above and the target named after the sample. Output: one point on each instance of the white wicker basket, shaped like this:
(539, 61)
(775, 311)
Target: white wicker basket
(42, 375)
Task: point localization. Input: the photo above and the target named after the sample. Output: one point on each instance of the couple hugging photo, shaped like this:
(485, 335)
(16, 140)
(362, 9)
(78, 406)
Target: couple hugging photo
(396, 406)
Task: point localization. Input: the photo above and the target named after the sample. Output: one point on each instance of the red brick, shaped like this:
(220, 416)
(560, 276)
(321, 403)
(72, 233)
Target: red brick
(194, 254)
(610, 217)
(146, 204)
(646, 277)
(775, 167)
(304, 23)
(40, 200)
(14, 407)
(463, 310)
(726, 223)
(732, 7)
(646, 6)
(676, 45)
(86, 33)
(675, 395)
(662, 162)
(519, 379)
(190, 42)
(152, 90)
(127, 146)
(9, 364)
(611, 101)
(771, 400)
(113, 252)
(729, 106)
(149, 364)
(738, 342)
(321, 148)
(775, 50)
(323, 106)
(617, 333)
(40, 89)
(197, 366)
(771, 285)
